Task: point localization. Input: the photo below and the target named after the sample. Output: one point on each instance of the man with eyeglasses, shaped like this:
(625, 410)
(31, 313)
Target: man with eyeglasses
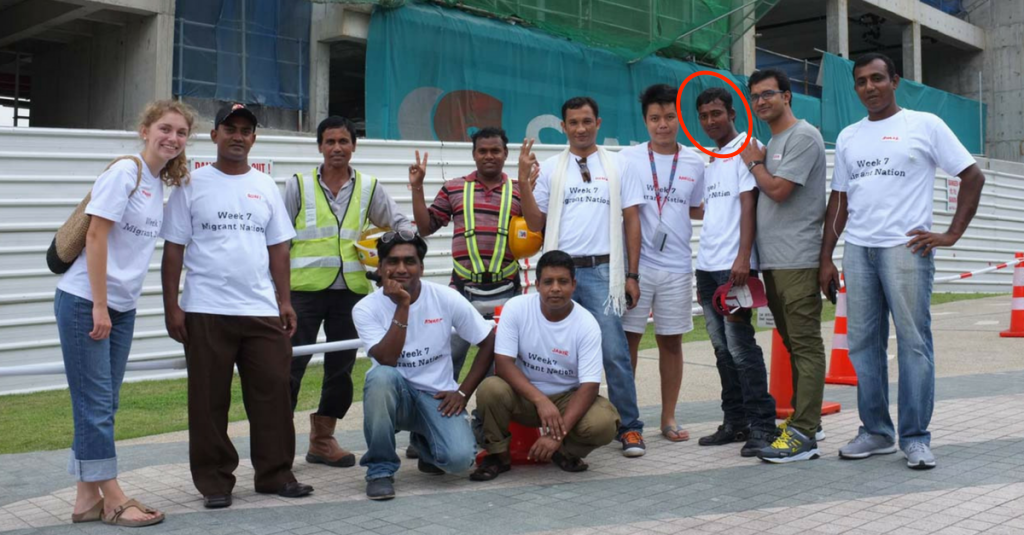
(588, 200)
(329, 208)
(790, 175)
(406, 328)
(883, 180)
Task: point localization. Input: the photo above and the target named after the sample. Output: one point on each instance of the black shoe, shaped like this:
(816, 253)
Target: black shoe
(295, 490)
(428, 468)
(726, 434)
(757, 441)
(217, 501)
(380, 489)
(411, 452)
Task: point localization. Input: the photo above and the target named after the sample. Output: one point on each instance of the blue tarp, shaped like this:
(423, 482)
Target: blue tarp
(208, 50)
(439, 74)
(841, 107)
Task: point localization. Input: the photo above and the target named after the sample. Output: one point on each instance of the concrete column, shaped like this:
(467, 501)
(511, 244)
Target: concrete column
(744, 52)
(912, 51)
(838, 27)
(319, 81)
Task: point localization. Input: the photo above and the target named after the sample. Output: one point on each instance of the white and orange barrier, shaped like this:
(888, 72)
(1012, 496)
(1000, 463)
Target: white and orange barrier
(840, 369)
(1016, 329)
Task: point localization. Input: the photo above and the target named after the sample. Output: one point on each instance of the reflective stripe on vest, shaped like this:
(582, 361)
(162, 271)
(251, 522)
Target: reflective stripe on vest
(494, 270)
(323, 246)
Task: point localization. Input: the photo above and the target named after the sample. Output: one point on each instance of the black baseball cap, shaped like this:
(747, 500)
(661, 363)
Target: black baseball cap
(232, 109)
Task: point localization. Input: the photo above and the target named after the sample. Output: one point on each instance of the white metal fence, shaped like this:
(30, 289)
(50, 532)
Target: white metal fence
(44, 173)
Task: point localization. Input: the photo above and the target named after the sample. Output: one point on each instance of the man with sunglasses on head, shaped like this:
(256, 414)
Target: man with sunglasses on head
(329, 208)
(589, 207)
(790, 175)
(406, 328)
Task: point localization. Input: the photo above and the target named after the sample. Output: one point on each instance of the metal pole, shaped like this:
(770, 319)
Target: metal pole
(245, 82)
(981, 115)
(17, 85)
(181, 55)
(300, 88)
(807, 89)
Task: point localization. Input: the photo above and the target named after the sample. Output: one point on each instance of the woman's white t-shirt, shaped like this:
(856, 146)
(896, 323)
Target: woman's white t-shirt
(555, 356)
(426, 359)
(226, 223)
(137, 219)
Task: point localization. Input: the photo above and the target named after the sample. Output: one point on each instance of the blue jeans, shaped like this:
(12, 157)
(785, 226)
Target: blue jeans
(95, 369)
(592, 293)
(745, 398)
(391, 404)
(880, 282)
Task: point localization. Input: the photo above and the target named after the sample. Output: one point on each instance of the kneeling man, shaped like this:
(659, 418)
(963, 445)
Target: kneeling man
(406, 327)
(548, 365)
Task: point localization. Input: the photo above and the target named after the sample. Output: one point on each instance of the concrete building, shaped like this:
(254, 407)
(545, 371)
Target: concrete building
(93, 63)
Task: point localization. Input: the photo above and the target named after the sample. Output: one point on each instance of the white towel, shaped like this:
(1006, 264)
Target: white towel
(616, 302)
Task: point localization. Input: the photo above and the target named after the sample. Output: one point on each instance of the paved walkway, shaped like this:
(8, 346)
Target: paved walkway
(978, 437)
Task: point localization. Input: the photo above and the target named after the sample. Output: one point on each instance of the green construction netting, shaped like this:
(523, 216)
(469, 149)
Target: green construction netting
(695, 30)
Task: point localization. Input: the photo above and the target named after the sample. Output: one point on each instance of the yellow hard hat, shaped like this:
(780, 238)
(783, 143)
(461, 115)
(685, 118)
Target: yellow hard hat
(366, 247)
(522, 241)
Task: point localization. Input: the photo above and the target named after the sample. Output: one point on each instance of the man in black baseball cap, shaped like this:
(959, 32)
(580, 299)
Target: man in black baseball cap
(233, 109)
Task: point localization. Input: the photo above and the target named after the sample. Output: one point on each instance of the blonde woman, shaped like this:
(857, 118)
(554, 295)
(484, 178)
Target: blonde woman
(95, 306)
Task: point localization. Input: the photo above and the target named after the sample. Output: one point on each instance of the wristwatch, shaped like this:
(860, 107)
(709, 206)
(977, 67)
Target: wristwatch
(754, 164)
(634, 276)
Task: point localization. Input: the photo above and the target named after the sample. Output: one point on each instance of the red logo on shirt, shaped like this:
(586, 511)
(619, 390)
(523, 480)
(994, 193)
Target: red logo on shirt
(253, 196)
(601, 178)
(890, 138)
(435, 320)
(563, 352)
(146, 193)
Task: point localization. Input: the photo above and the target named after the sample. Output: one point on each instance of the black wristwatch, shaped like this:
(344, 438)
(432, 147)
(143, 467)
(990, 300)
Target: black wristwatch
(634, 276)
(754, 164)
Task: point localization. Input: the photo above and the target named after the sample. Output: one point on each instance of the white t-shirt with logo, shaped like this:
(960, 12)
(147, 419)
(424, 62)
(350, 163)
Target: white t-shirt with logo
(584, 227)
(687, 190)
(555, 357)
(887, 169)
(724, 180)
(426, 360)
(226, 223)
(137, 218)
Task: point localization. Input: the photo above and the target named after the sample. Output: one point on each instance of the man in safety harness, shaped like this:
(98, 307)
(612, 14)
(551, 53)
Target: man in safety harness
(330, 207)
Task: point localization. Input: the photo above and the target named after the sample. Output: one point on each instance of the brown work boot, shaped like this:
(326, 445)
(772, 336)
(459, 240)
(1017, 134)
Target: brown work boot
(323, 448)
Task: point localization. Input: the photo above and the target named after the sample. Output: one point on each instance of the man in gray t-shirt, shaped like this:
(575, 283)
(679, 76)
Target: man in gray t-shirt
(790, 175)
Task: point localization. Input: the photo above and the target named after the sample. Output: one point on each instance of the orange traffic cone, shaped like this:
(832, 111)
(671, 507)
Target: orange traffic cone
(1016, 329)
(780, 384)
(522, 437)
(840, 369)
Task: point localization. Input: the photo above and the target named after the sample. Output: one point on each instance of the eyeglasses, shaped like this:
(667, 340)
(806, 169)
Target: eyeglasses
(405, 235)
(754, 97)
(584, 170)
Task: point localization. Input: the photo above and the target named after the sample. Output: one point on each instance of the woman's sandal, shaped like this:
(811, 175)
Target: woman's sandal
(92, 515)
(115, 519)
(490, 468)
(678, 434)
(569, 464)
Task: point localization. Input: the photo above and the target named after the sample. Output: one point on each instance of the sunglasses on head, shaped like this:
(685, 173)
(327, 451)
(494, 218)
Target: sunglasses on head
(405, 235)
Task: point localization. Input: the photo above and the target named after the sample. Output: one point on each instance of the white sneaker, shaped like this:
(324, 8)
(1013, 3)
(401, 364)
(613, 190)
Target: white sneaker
(919, 456)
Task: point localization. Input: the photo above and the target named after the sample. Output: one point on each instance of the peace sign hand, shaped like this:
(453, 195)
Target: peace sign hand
(418, 171)
(529, 169)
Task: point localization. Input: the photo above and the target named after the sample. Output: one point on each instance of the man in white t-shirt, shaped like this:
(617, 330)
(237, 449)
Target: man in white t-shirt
(726, 254)
(589, 206)
(672, 178)
(230, 228)
(548, 373)
(406, 328)
(882, 190)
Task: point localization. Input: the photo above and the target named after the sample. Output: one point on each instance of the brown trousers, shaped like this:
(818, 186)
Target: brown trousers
(262, 352)
(499, 404)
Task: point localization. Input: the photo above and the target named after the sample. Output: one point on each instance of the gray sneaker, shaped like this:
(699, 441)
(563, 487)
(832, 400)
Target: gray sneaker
(919, 456)
(865, 445)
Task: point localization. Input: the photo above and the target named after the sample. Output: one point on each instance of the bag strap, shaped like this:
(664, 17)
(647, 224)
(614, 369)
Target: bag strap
(138, 171)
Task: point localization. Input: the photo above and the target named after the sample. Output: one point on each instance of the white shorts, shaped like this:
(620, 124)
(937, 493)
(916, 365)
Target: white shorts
(669, 296)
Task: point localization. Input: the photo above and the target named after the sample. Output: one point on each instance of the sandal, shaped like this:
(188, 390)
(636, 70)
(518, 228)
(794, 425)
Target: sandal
(675, 435)
(116, 520)
(490, 468)
(569, 464)
(92, 515)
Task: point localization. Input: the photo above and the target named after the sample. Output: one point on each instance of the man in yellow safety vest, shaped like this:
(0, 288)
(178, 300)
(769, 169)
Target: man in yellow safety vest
(330, 207)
